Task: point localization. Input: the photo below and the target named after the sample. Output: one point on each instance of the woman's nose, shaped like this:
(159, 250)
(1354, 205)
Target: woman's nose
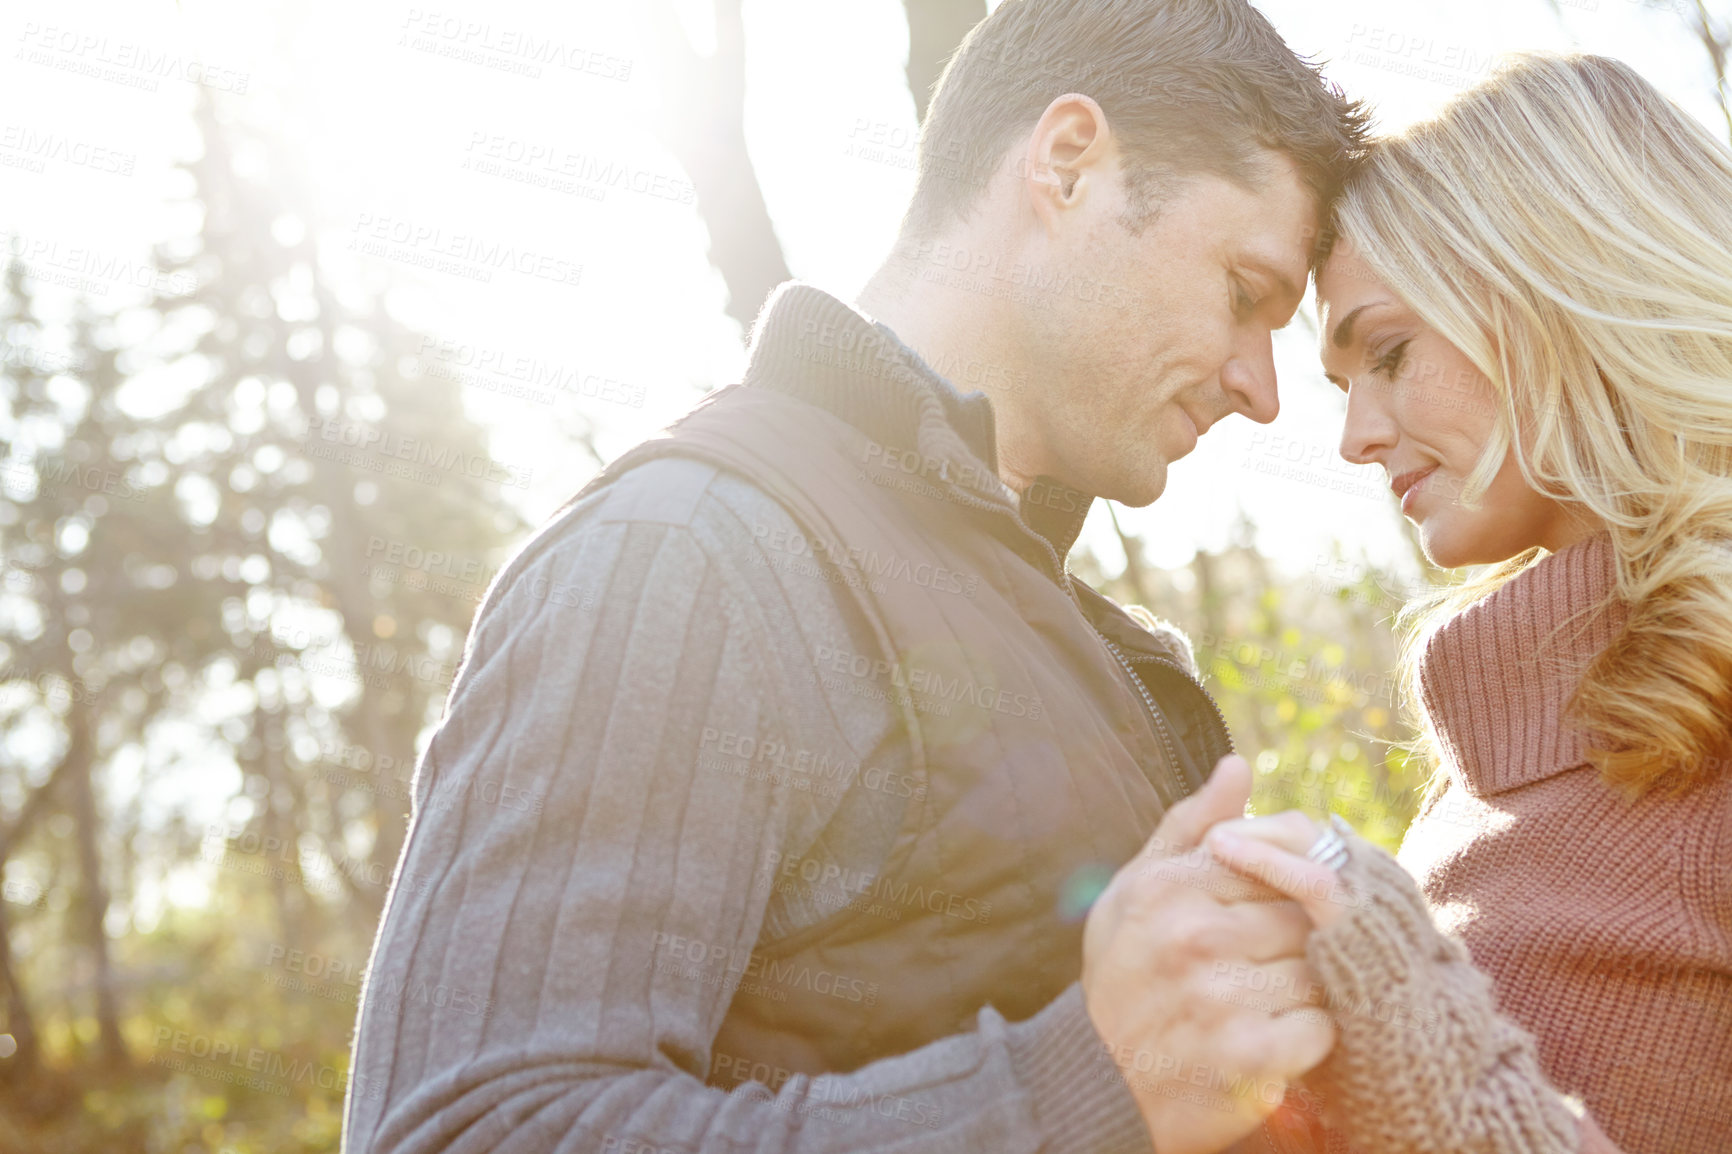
(1370, 432)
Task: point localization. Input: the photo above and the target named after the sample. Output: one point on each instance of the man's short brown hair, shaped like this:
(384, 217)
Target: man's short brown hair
(1188, 86)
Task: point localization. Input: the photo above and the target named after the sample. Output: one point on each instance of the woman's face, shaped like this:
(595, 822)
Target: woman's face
(1419, 408)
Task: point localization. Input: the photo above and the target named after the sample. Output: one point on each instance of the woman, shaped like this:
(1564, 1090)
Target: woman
(1530, 310)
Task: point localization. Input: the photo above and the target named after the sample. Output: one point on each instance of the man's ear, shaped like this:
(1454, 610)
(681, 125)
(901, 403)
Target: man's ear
(1071, 155)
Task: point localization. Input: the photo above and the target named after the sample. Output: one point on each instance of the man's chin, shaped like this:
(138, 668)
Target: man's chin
(1143, 489)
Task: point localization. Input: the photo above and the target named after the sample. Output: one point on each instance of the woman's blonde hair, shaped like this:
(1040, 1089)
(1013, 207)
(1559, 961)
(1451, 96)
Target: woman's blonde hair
(1569, 230)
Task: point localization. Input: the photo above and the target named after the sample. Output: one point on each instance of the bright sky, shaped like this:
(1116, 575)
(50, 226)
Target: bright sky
(404, 127)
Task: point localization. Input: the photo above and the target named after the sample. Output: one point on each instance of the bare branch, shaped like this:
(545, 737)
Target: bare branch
(1716, 43)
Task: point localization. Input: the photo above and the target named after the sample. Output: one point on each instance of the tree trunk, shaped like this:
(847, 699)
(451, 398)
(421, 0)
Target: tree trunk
(267, 766)
(95, 898)
(27, 813)
(703, 125)
(1208, 595)
(22, 1065)
(356, 607)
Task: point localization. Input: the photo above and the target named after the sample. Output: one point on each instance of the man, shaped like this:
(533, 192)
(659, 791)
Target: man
(818, 755)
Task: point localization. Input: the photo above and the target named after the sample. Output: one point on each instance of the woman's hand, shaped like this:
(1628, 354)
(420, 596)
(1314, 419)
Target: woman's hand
(1405, 997)
(1272, 850)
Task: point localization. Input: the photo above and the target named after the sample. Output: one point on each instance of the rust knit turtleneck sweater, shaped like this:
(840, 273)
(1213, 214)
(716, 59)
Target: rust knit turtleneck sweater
(1605, 924)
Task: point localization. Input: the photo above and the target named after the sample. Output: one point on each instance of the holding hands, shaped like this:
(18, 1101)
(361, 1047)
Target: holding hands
(1423, 1061)
(1290, 854)
(1195, 973)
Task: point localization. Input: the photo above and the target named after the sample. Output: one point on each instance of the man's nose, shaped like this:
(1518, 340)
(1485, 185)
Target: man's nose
(1248, 378)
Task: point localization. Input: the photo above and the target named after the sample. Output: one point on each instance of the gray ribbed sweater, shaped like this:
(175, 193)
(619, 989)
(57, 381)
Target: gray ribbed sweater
(603, 796)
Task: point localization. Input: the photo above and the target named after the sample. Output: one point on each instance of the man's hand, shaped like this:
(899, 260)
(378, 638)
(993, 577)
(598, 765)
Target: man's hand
(1272, 850)
(1196, 978)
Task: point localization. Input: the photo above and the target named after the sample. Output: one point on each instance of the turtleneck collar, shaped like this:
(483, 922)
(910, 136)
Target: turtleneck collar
(810, 345)
(1495, 678)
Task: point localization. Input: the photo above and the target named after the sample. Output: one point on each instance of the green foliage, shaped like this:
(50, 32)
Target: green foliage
(218, 976)
(1304, 670)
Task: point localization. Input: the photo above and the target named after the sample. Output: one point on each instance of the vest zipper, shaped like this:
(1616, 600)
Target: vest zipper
(1220, 718)
(1155, 719)
(1058, 566)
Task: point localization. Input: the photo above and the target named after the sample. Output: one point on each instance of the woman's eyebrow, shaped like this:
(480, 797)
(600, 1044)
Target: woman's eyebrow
(1343, 334)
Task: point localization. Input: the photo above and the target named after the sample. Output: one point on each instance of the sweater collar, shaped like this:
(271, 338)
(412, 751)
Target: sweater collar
(812, 346)
(1495, 679)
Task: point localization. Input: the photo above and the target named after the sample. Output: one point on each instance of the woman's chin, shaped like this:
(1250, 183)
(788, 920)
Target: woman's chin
(1437, 551)
(1450, 546)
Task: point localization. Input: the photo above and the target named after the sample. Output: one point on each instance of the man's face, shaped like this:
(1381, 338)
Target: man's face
(1157, 336)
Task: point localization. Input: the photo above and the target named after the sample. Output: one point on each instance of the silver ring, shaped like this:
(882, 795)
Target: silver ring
(1329, 850)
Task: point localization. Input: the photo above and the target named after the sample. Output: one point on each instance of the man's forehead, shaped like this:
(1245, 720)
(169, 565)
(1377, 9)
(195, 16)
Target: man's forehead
(1280, 219)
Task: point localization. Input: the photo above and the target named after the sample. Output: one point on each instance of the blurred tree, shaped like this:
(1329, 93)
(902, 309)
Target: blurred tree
(350, 494)
(239, 529)
(92, 611)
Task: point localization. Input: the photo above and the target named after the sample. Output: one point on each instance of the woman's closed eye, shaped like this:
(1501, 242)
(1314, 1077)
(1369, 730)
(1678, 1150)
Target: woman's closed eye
(1391, 362)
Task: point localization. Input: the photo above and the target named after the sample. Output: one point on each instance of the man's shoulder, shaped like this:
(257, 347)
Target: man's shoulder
(664, 522)
(718, 511)
(665, 490)
(675, 490)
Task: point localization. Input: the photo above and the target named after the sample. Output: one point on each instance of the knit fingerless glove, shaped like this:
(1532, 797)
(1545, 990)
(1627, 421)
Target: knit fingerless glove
(1424, 1064)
